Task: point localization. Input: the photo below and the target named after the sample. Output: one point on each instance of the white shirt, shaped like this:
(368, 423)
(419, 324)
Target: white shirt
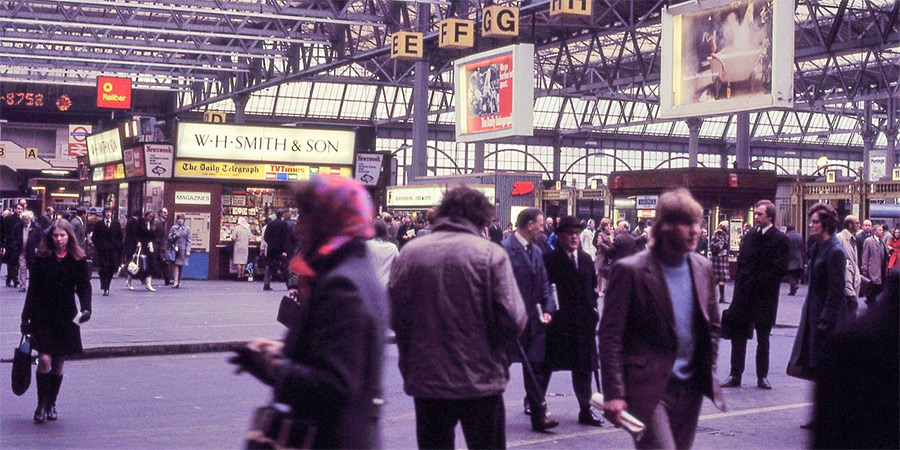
(522, 240)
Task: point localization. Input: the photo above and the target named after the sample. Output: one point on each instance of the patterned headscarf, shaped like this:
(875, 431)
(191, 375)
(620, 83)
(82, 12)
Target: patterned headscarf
(342, 212)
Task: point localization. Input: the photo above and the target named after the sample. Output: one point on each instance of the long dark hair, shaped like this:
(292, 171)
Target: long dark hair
(46, 247)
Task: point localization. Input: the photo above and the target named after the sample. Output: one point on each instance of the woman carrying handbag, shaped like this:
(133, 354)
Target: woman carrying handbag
(180, 245)
(144, 235)
(60, 272)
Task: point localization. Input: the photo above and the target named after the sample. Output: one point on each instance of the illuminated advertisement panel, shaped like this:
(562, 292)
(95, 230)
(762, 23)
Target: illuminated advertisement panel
(495, 94)
(721, 57)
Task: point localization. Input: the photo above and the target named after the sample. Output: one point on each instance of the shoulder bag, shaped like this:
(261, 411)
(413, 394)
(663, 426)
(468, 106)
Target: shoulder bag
(135, 265)
(21, 367)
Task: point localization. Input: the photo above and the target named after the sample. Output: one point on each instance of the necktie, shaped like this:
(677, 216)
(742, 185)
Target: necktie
(574, 259)
(528, 248)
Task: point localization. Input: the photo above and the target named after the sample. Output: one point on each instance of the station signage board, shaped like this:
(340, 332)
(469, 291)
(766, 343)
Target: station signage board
(192, 198)
(224, 142)
(427, 196)
(226, 170)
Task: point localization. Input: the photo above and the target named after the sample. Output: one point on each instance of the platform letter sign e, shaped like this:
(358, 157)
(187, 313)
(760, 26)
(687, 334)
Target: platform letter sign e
(114, 92)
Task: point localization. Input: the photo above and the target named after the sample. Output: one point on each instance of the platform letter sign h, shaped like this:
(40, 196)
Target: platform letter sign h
(570, 8)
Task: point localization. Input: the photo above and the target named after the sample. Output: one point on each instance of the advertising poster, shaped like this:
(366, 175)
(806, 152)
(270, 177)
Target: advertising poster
(735, 232)
(489, 87)
(250, 171)
(877, 163)
(495, 94)
(134, 162)
(720, 57)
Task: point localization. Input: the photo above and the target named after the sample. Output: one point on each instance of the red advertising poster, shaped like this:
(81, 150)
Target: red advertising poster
(489, 94)
(113, 92)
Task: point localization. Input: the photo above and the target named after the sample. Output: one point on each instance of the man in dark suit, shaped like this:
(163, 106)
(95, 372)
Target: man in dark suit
(570, 337)
(107, 239)
(531, 277)
(276, 238)
(660, 330)
(495, 232)
(762, 262)
(160, 233)
(9, 230)
(874, 263)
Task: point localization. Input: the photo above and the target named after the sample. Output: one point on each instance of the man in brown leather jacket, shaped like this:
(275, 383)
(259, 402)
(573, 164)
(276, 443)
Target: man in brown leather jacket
(659, 333)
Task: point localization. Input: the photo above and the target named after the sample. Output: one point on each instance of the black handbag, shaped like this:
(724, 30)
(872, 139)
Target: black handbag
(274, 427)
(735, 326)
(21, 367)
(291, 310)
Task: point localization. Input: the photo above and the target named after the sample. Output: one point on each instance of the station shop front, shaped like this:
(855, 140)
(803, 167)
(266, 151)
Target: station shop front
(215, 174)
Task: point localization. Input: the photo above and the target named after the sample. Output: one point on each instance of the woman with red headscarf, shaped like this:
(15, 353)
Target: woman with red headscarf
(328, 369)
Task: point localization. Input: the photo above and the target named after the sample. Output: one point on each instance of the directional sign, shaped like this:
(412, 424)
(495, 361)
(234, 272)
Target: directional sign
(78, 140)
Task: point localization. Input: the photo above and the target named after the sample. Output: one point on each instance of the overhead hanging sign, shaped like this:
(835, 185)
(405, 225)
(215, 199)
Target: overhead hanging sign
(253, 171)
(265, 144)
(105, 147)
(114, 92)
(368, 168)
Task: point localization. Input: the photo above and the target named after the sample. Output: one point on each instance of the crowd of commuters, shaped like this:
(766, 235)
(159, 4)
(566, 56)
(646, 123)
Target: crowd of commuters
(528, 294)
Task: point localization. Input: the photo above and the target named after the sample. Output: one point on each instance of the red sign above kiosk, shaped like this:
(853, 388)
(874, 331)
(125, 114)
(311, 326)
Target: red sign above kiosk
(113, 92)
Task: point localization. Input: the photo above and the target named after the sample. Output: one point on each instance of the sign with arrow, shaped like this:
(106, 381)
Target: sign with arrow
(160, 159)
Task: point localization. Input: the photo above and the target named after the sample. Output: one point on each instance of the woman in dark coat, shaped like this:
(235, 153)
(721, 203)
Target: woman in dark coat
(60, 271)
(825, 309)
(328, 370)
(144, 235)
(718, 250)
(24, 245)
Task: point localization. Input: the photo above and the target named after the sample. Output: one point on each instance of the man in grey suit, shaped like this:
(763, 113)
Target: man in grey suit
(874, 263)
(659, 332)
(796, 258)
(531, 277)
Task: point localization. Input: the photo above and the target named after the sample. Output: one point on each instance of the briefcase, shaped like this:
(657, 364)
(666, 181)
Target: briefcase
(21, 367)
(734, 326)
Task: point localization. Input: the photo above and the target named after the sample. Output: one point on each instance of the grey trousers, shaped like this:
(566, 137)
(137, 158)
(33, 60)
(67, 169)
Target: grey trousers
(674, 421)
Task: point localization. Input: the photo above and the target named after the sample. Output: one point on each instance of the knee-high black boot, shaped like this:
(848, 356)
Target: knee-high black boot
(722, 293)
(43, 390)
(55, 383)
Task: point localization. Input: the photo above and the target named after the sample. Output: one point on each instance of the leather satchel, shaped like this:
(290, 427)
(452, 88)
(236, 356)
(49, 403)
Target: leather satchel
(735, 326)
(21, 367)
(291, 311)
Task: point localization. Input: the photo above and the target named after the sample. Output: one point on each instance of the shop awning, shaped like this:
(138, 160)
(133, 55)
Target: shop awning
(13, 156)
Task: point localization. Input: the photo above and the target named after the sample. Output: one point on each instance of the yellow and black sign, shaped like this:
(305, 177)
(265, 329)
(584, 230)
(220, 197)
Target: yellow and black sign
(31, 153)
(214, 117)
(407, 45)
(456, 34)
(499, 21)
(831, 176)
(895, 174)
(570, 8)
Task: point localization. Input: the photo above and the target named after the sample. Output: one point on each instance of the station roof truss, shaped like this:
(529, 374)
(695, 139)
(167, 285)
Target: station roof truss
(329, 60)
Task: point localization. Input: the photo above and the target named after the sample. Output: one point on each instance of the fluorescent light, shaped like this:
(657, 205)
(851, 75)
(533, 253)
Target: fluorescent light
(54, 172)
(59, 194)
